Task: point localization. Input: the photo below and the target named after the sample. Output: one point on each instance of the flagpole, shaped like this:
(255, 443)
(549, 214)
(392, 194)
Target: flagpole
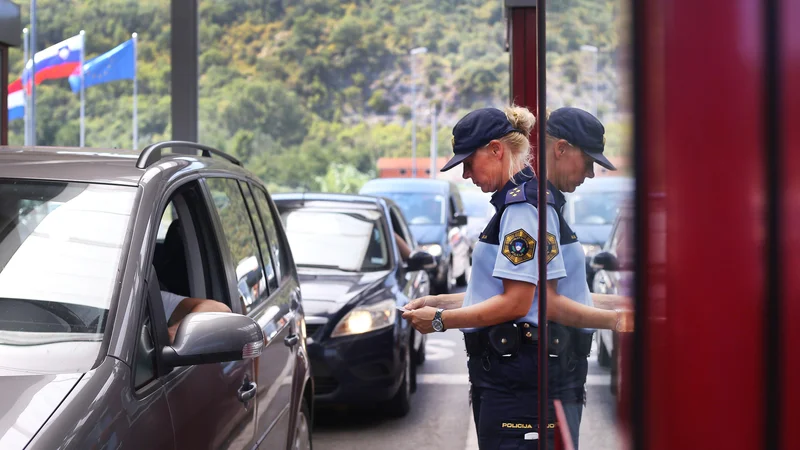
(83, 129)
(33, 73)
(24, 91)
(135, 115)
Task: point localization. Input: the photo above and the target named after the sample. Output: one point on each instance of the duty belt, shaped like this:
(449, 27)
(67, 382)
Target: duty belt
(477, 342)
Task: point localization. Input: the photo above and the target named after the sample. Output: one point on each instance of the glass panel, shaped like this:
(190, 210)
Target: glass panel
(242, 242)
(419, 208)
(343, 240)
(60, 248)
(279, 256)
(266, 253)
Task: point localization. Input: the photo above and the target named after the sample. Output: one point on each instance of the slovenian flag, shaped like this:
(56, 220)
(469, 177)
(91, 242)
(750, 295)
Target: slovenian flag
(56, 61)
(16, 101)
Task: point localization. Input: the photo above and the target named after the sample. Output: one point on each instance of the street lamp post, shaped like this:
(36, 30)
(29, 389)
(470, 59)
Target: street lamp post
(592, 49)
(414, 52)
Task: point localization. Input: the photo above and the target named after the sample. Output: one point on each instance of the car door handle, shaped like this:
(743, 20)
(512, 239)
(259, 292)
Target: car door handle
(291, 340)
(247, 391)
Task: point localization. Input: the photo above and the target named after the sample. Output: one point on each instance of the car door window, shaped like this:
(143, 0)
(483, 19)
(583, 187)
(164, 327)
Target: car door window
(280, 256)
(242, 243)
(400, 227)
(266, 252)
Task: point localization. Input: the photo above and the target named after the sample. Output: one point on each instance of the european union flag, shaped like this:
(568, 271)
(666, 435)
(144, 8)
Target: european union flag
(117, 64)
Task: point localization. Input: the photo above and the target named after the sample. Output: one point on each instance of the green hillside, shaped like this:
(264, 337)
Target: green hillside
(293, 86)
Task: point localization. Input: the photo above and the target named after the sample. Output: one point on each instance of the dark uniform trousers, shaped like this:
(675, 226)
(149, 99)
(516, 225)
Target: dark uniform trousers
(505, 399)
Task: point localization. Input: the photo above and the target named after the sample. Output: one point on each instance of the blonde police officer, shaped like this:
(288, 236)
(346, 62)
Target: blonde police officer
(499, 312)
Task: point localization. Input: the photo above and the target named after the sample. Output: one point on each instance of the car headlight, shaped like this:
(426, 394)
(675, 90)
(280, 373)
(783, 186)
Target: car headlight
(433, 249)
(363, 319)
(590, 249)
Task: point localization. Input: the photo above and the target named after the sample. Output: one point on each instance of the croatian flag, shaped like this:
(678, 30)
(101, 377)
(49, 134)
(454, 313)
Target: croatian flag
(16, 101)
(56, 61)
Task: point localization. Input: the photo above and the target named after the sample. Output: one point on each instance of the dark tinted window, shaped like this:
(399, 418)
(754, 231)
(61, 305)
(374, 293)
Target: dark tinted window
(236, 225)
(280, 256)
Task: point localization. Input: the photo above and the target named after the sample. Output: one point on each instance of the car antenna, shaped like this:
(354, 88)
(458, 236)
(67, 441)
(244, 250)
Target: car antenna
(303, 195)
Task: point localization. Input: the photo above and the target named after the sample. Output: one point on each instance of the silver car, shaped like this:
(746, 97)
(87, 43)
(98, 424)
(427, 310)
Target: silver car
(90, 241)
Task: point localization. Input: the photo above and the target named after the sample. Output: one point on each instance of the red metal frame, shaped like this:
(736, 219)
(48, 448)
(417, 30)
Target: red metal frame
(523, 75)
(789, 57)
(704, 220)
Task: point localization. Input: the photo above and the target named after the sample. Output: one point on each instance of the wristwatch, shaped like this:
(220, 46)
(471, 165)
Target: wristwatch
(438, 325)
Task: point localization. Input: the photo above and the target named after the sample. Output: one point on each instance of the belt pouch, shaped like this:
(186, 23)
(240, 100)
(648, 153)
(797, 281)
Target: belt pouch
(558, 340)
(504, 339)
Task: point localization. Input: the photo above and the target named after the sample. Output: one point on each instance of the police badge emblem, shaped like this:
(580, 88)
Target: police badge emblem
(519, 246)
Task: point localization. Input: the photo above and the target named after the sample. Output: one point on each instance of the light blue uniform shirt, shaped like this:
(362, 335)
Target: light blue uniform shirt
(509, 249)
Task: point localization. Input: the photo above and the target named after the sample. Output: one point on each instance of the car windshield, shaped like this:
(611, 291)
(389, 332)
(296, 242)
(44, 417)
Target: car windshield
(594, 208)
(60, 250)
(419, 208)
(337, 239)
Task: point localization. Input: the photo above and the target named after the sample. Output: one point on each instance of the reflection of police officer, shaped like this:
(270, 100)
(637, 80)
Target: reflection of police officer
(499, 311)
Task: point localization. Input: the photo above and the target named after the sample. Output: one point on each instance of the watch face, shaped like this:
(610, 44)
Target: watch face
(437, 325)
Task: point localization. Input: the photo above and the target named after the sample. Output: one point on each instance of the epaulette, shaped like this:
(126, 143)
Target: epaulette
(516, 195)
(530, 190)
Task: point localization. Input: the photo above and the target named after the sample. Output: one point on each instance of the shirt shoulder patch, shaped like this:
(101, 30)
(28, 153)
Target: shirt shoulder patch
(519, 246)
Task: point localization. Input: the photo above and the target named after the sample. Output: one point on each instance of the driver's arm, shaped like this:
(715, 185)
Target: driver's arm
(405, 251)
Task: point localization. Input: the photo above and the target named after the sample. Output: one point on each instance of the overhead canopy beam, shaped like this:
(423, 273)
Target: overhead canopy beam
(184, 75)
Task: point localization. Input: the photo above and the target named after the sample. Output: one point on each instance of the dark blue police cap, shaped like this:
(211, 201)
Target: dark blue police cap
(476, 130)
(582, 130)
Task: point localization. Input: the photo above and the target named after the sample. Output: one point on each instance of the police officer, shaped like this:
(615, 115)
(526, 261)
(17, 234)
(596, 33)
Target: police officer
(499, 311)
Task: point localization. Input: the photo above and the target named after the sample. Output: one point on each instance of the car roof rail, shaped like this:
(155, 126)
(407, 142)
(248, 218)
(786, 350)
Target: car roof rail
(152, 152)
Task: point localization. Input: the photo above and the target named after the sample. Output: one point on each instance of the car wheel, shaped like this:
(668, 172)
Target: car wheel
(603, 358)
(400, 404)
(302, 432)
(419, 355)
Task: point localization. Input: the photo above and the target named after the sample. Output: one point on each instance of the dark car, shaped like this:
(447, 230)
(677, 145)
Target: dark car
(436, 217)
(614, 266)
(353, 279)
(89, 242)
(591, 210)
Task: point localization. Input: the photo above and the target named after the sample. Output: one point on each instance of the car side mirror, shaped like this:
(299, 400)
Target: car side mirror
(420, 260)
(213, 337)
(458, 220)
(605, 261)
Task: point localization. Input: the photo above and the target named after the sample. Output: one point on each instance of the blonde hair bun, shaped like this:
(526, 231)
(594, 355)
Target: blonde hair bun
(520, 118)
